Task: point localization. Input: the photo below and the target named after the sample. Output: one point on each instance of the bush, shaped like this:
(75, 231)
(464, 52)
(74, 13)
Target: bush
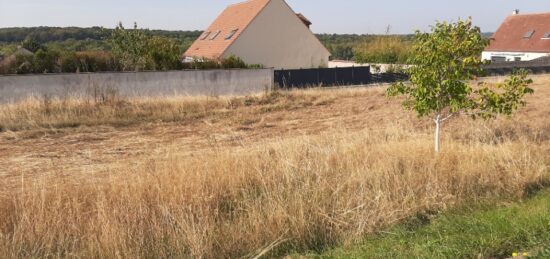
(163, 54)
(87, 61)
(227, 63)
(97, 61)
(68, 62)
(233, 62)
(45, 61)
(383, 49)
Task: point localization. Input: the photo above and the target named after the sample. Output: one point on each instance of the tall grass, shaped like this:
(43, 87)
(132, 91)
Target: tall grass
(274, 197)
(110, 109)
(291, 195)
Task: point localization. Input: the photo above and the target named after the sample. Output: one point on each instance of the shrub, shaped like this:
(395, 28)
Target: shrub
(97, 61)
(227, 63)
(383, 49)
(233, 62)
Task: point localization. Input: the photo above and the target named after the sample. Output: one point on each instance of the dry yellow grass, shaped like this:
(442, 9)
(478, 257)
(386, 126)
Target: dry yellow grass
(44, 113)
(281, 192)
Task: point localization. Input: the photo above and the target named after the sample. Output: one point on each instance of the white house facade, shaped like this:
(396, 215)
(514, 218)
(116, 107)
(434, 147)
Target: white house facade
(266, 32)
(497, 56)
(521, 37)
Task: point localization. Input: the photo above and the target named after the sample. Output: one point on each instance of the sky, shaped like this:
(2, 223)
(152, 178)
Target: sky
(328, 16)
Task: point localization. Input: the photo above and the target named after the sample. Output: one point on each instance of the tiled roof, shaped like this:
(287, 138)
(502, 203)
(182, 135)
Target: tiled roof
(523, 33)
(234, 18)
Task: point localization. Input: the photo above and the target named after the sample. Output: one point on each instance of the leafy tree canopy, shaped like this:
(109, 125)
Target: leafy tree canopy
(444, 61)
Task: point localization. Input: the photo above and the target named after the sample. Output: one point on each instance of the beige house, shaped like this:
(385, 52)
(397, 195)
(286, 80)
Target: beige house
(266, 32)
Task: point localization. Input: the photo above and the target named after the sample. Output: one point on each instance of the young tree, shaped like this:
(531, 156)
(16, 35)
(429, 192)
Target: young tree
(46, 61)
(130, 47)
(443, 62)
(136, 49)
(32, 45)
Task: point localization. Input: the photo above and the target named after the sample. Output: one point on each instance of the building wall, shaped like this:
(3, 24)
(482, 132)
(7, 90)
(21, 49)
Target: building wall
(277, 38)
(141, 84)
(511, 56)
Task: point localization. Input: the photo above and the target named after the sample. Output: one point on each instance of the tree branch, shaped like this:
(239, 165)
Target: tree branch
(448, 117)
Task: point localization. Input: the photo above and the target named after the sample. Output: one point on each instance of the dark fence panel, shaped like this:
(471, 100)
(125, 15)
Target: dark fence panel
(327, 77)
(537, 66)
(507, 70)
(388, 78)
(301, 78)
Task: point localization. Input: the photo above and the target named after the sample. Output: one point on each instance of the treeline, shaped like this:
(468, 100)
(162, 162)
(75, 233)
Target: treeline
(49, 34)
(360, 48)
(341, 46)
(131, 49)
(389, 49)
(80, 39)
(370, 48)
(386, 49)
(51, 61)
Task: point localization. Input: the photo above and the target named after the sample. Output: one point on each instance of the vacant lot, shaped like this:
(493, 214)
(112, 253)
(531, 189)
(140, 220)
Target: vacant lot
(248, 176)
(87, 136)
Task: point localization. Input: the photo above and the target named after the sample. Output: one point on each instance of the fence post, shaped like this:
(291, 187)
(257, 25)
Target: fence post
(353, 75)
(318, 77)
(335, 76)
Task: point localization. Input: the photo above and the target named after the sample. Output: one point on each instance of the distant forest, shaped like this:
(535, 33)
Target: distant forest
(342, 46)
(80, 39)
(361, 48)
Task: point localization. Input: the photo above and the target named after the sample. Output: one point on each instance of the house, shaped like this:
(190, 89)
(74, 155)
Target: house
(264, 32)
(522, 37)
(8, 62)
(22, 52)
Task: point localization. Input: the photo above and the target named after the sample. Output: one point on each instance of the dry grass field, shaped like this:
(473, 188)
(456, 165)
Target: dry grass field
(247, 176)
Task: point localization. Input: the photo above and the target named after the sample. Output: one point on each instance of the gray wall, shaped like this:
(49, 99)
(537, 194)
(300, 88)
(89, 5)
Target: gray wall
(142, 84)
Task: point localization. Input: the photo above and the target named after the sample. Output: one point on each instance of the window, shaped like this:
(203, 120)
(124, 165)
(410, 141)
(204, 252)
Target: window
(231, 34)
(529, 34)
(498, 59)
(205, 35)
(546, 36)
(517, 58)
(215, 35)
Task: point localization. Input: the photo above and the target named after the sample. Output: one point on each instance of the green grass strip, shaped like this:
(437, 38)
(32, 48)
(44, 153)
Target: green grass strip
(486, 232)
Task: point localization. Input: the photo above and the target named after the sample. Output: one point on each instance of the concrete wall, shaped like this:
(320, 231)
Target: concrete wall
(278, 38)
(142, 84)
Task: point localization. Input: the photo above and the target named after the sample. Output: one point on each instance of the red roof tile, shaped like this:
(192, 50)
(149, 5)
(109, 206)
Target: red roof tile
(235, 17)
(510, 37)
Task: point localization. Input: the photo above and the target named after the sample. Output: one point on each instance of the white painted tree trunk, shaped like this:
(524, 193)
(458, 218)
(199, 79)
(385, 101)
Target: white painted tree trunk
(438, 122)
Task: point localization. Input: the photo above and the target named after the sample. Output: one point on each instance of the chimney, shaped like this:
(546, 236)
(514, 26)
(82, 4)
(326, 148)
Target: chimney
(516, 12)
(304, 19)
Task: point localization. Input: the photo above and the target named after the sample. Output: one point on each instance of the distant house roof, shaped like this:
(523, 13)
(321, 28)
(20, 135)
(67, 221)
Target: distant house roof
(226, 29)
(23, 51)
(523, 33)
